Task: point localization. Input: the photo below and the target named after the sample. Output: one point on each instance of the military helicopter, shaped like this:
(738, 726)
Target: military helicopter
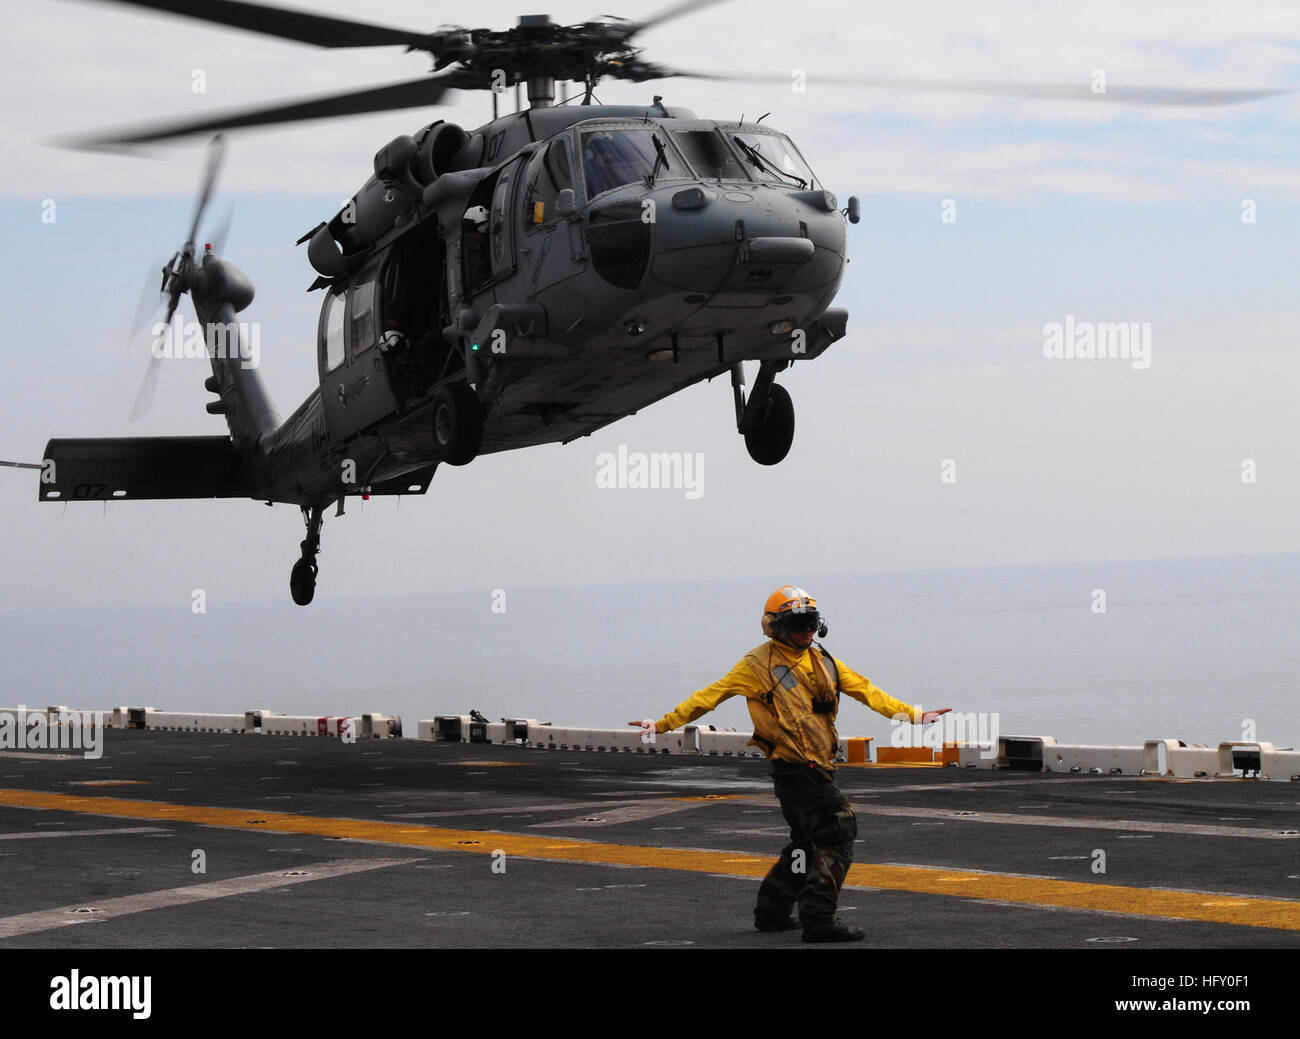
(526, 282)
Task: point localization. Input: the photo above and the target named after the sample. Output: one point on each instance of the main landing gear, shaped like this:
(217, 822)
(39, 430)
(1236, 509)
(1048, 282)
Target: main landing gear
(766, 419)
(457, 423)
(302, 580)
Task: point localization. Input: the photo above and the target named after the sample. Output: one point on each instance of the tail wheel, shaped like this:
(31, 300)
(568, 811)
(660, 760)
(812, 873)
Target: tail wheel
(457, 423)
(770, 442)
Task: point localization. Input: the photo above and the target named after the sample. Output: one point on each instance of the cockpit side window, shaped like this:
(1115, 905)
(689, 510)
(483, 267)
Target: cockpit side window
(334, 331)
(773, 157)
(363, 314)
(551, 174)
(709, 155)
(612, 158)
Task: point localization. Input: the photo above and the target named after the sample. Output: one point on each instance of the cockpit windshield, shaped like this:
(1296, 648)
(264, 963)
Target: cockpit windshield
(612, 158)
(773, 157)
(709, 155)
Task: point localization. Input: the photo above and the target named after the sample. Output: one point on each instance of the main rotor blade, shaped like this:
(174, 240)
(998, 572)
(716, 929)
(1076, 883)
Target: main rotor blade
(678, 10)
(414, 93)
(1114, 94)
(315, 29)
(216, 153)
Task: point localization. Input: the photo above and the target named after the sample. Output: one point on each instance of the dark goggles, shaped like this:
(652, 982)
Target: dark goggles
(808, 620)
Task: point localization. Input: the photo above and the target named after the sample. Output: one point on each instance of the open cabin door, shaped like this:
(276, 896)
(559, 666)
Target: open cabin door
(355, 388)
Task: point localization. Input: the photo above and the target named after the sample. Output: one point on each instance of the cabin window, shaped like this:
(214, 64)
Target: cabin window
(612, 158)
(709, 155)
(333, 331)
(773, 157)
(551, 174)
(363, 316)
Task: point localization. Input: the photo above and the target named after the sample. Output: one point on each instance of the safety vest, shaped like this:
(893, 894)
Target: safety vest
(794, 720)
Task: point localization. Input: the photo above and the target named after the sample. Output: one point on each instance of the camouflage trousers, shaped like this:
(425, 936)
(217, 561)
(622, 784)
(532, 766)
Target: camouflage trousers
(813, 865)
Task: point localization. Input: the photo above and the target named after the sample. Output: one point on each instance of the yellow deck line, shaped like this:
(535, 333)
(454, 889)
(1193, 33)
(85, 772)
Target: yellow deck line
(1184, 905)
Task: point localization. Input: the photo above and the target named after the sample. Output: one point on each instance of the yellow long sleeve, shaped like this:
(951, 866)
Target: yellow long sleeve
(739, 681)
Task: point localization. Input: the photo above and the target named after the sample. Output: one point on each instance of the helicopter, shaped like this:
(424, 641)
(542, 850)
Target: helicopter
(530, 281)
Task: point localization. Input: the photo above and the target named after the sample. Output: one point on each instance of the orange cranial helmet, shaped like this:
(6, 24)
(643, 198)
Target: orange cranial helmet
(788, 606)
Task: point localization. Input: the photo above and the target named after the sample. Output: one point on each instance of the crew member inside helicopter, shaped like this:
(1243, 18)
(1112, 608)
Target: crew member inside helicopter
(475, 248)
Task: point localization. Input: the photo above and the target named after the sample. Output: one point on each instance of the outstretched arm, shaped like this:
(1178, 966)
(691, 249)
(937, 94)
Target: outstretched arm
(739, 681)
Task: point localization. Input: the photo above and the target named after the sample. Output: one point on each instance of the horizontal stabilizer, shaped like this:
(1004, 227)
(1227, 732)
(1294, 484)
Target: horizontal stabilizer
(123, 468)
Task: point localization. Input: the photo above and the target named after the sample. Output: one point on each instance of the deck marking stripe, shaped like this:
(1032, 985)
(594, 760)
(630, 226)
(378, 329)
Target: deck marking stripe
(1278, 914)
(38, 834)
(110, 908)
(1126, 825)
(550, 806)
(611, 816)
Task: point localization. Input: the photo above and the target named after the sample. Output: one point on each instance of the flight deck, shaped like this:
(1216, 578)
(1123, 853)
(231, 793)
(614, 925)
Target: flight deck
(230, 840)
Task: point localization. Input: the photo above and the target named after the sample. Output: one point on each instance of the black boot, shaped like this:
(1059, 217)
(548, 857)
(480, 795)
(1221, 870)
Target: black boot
(832, 931)
(773, 922)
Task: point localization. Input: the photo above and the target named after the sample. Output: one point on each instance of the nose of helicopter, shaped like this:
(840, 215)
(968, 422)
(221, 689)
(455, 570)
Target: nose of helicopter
(737, 245)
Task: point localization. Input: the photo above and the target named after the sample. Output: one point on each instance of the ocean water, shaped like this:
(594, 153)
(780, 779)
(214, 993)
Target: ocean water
(1201, 650)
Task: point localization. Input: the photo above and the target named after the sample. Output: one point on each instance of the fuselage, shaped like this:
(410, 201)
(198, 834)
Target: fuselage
(574, 264)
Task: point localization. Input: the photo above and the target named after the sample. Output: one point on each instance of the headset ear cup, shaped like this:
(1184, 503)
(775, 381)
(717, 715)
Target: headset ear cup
(822, 631)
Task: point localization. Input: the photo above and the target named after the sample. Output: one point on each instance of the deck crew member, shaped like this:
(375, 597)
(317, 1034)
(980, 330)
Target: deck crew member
(792, 692)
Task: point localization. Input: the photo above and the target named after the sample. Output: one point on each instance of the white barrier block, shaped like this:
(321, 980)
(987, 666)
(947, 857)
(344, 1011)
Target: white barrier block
(496, 732)
(517, 729)
(427, 729)
(135, 716)
(379, 726)
(728, 744)
(1245, 756)
(1281, 766)
(255, 720)
(1081, 757)
(289, 724)
(627, 741)
(977, 755)
(175, 720)
(453, 728)
(1155, 757)
(1192, 762)
(563, 738)
(679, 741)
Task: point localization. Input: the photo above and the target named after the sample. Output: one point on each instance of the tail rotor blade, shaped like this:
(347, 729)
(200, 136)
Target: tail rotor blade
(144, 397)
(149, 303)
(216, 154)
(218, 235)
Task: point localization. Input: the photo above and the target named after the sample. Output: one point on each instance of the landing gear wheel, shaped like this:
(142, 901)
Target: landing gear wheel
(302, 581)
(457, 423)
(770, 442)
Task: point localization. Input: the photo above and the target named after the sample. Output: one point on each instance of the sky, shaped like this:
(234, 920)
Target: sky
(936, 434)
